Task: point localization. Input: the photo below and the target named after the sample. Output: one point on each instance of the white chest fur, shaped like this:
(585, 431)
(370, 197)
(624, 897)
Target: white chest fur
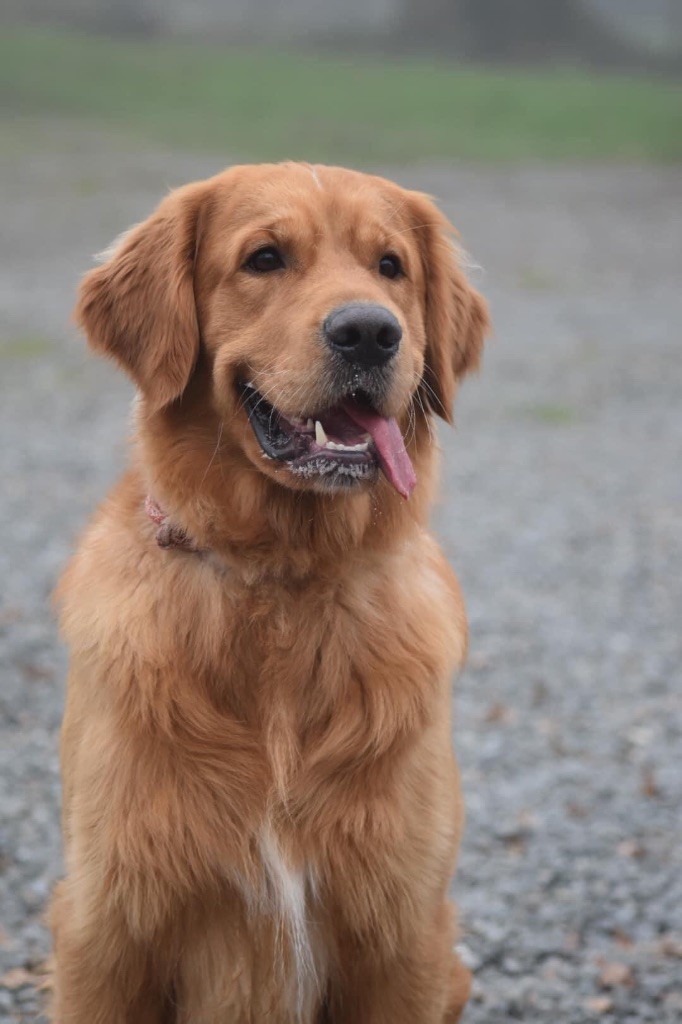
(288, 895)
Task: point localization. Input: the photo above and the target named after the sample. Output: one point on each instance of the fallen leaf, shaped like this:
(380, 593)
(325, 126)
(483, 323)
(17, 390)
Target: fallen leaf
(616, 975)
(622, 938)
(35, 673)
(650, 787)
(478, 660)
(599, 1004)
(630, 848)
(498, 712)
(547, 727)
(671, 946)
(15, 978)
(527, 820)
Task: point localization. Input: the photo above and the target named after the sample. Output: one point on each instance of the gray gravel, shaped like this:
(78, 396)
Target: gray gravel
(561, 510)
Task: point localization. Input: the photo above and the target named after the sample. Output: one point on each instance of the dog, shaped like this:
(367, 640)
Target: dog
(261, 805)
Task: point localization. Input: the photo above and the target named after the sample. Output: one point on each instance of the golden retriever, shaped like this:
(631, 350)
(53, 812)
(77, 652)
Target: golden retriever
(261, 807)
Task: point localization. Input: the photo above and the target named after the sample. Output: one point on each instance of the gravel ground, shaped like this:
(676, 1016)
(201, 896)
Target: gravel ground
(561, 510)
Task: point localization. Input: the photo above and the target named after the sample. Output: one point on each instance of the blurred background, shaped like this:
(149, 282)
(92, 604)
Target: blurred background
(551, 133)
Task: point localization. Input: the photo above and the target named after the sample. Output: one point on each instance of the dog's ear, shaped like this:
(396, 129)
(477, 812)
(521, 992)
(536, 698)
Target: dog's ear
(456, 316)
(139, 307)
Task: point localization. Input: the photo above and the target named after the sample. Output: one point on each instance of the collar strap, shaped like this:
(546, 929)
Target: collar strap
(168, 535)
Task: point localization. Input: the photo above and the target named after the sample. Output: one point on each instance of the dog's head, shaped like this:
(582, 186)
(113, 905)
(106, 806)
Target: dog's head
(326, 307)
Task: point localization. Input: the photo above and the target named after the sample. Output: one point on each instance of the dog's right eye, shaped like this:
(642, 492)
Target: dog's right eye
(265, 260)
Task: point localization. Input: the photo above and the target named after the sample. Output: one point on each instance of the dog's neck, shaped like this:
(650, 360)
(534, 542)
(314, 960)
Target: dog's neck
(207, 497)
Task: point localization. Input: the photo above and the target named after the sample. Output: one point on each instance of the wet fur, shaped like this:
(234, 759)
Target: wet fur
(261, 808)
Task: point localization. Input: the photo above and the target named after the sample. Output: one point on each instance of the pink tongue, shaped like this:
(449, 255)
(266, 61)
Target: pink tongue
(395, 462)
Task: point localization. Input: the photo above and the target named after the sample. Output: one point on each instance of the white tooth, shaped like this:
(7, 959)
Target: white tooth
(310, 425)
(333, 444)
(360, 447)
(320, 435)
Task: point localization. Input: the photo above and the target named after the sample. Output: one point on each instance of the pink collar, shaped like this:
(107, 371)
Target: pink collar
(167, 534)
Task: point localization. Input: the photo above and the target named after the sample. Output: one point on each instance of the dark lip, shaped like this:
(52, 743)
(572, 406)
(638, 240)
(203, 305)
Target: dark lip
(266, 424)
(291, 442)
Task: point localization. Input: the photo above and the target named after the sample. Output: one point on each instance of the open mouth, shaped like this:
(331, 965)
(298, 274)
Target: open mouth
(340, 446)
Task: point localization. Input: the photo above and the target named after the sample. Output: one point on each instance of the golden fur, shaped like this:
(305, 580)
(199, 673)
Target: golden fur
(261, 806)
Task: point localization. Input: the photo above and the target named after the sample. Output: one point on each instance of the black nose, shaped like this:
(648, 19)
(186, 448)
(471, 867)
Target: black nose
(363, 334)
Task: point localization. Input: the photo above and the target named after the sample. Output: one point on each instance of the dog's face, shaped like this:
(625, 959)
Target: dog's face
(327, 305)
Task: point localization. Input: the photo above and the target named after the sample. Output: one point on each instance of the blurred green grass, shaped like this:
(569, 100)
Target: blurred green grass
(257, 104)
(24, 346)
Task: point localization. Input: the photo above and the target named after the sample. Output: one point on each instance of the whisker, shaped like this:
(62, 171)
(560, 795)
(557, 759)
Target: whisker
(425, 414)
(215, 452)
(429, 388)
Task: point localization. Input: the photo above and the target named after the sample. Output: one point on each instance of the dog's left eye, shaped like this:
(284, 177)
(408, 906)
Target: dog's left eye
(265, 259)
(390, 265)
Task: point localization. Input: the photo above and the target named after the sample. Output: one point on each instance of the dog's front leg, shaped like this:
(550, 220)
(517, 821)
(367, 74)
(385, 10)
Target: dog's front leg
(100, 976)
(423, 983)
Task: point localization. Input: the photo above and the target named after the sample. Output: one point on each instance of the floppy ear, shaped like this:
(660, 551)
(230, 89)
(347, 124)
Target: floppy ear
(456, 315)
(139, 306)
